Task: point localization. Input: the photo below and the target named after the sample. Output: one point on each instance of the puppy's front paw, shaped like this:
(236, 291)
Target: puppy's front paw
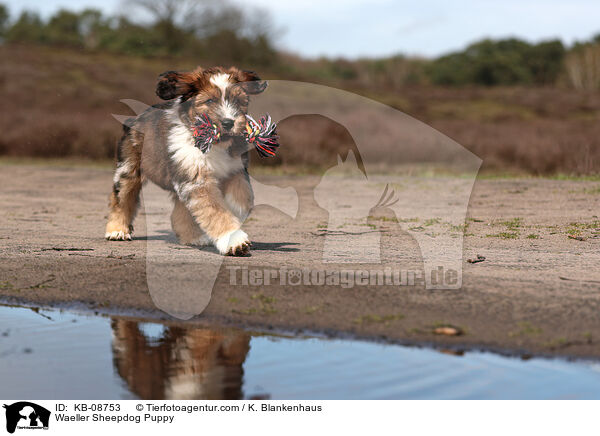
(118, 233)
(234, 243)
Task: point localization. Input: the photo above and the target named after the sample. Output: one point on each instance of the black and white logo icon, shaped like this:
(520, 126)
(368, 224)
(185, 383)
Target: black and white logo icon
(26, 415)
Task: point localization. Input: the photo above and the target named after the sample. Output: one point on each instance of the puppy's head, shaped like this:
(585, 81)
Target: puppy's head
(222, 94)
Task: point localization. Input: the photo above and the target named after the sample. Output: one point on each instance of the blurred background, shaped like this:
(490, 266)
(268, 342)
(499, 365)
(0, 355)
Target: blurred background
(517, 83)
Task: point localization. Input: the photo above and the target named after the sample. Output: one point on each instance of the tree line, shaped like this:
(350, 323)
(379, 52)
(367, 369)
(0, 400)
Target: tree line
(215, 30)
(224, 32)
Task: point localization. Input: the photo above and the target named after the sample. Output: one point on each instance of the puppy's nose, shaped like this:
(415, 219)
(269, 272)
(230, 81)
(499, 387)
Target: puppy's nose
(227, 123)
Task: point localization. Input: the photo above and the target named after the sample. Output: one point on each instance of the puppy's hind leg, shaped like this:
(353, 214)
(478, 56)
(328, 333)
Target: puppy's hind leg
(127, 183)
(124, 201)
(185, 227)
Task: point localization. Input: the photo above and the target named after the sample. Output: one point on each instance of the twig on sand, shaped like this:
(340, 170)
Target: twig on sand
(114, 256)
(325, 232)
(67, 249)
(41, 284)
(110, 256)
(567, 279)
(477, 259)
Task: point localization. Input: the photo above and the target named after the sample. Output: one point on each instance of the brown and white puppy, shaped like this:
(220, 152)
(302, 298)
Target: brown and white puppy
(211, 191)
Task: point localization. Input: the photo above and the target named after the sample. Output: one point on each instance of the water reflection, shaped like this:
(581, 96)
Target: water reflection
(175, 363)
(71, 358)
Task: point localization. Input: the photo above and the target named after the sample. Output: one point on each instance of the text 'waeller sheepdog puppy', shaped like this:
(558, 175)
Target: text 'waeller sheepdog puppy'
(209, 185)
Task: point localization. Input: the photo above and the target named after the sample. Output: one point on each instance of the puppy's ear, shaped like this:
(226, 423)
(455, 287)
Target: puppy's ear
(172, 84)
(251, 82)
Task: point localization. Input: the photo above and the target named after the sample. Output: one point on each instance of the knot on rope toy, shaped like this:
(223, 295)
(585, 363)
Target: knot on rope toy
(262, 134)
(205, 132)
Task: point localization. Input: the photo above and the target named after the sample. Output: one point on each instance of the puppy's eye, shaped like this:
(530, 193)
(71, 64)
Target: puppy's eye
(209, 101)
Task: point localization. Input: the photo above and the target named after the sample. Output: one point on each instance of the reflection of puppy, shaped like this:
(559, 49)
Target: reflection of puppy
(183, 364)
(211, 190)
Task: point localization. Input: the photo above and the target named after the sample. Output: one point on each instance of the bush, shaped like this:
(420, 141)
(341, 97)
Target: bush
(503, 62)
(4, 23)
(28, 28)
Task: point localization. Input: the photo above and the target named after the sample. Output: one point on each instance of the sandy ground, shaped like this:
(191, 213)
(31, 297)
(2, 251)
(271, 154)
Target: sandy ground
(538, 290)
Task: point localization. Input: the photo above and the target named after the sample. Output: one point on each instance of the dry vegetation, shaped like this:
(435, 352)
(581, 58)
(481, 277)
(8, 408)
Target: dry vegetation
(58, 102)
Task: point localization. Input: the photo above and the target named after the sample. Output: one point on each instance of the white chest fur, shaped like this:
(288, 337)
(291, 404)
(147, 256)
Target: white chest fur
(190, 159)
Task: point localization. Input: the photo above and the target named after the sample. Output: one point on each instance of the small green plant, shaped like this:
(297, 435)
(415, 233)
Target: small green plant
(525, 328)
(431, 222)
(461, 228)
(385, 319)
(384, 218)
(504, 235)
(311, 309)
(594, 191)
(557, 343)
(533, 236)
(577, 229)
(264, 299)
(265, 303)
(513, 224)
(249, 311)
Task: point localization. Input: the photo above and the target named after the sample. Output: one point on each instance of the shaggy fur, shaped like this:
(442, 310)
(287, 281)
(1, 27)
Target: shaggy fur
(211, 191)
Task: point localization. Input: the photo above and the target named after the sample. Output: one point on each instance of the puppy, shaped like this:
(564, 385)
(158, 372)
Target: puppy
(211, 191)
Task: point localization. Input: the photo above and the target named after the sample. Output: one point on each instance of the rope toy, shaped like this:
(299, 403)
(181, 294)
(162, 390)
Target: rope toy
(262, 134)
(205, 132)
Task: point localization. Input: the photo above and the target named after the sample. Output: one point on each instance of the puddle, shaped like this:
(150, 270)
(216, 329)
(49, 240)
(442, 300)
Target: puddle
(52, 354)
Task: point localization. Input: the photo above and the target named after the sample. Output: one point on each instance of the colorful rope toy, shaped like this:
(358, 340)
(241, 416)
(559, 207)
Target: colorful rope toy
(205, 133)
(262, 134)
